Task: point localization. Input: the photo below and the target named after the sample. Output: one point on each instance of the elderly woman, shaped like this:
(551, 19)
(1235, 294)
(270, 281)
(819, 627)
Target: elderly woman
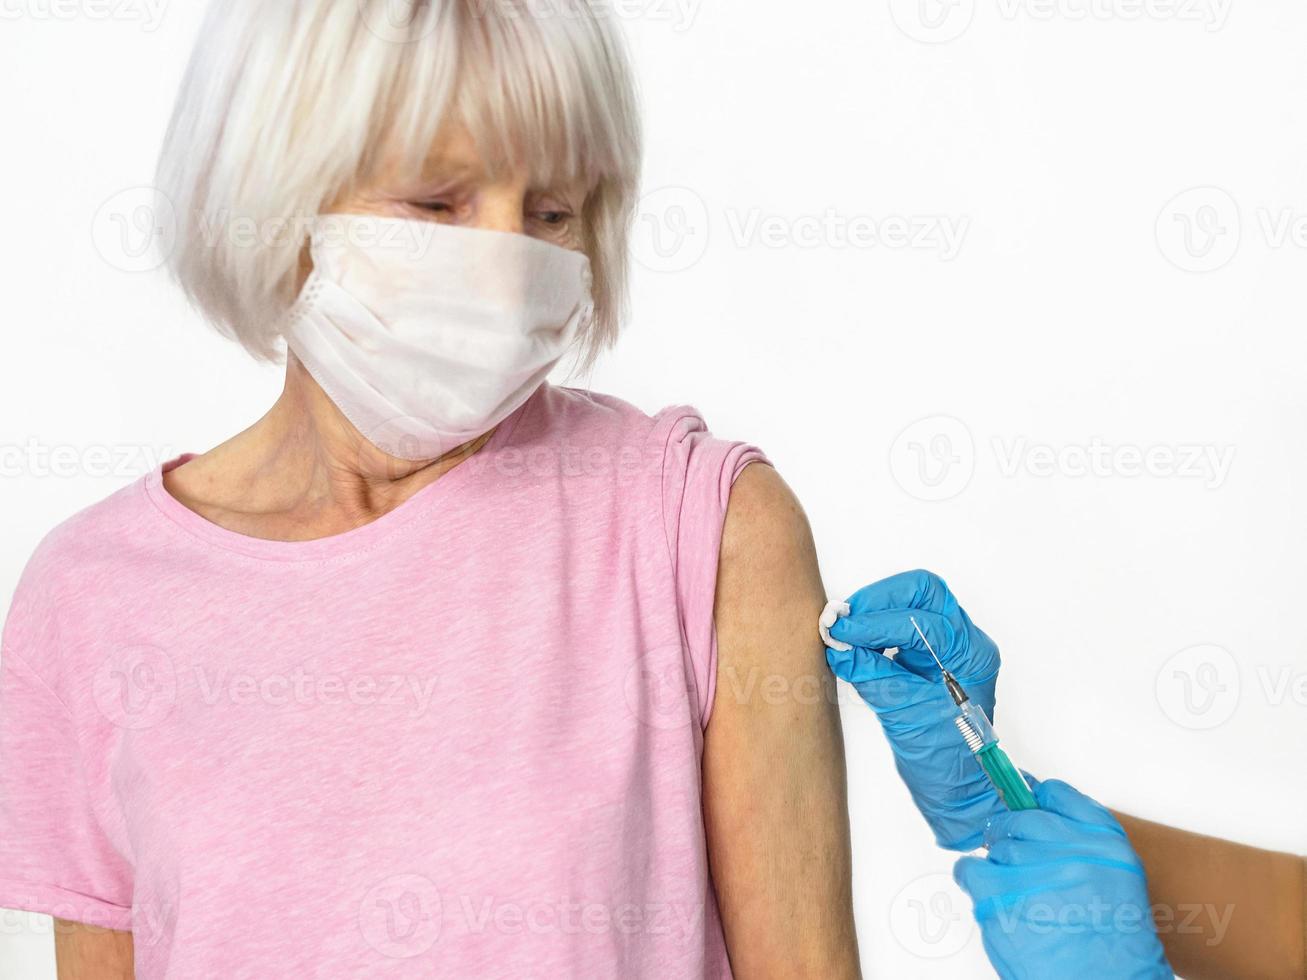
(437, 669)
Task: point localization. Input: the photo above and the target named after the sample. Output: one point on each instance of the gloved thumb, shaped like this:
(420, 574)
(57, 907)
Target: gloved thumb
(1058, 797)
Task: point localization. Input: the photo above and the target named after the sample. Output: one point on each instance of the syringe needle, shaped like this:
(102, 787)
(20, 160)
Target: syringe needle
(913, 621)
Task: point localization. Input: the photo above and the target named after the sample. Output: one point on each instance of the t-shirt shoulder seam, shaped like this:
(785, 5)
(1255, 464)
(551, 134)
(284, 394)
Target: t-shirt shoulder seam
(11, 653)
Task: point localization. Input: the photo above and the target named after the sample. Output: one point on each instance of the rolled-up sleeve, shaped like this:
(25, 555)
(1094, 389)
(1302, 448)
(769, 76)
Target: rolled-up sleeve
(698, 472)
(54, 856)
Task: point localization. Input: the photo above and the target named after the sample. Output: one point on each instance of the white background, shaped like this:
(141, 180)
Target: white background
(1089, 307)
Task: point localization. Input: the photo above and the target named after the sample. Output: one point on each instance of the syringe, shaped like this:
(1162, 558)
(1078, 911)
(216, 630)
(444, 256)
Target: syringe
(982, 740)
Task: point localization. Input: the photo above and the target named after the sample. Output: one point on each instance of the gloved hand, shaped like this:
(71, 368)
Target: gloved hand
(1062, 894)
(908, 695)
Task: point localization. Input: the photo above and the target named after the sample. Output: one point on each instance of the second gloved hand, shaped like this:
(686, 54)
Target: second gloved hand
(1063, 894)
(910, 700)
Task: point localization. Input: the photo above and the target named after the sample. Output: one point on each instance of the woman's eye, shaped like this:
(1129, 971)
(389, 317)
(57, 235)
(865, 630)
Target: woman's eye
(438, 207)
(553, 217)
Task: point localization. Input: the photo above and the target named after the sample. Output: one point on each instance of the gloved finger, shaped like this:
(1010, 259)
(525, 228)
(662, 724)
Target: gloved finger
(1050, 826)
(1055, 796)
(887, 628)
(1014, 852)
(1066, 862)
(918, 589)
(982, 879)
(1040, 826)
(862, 665)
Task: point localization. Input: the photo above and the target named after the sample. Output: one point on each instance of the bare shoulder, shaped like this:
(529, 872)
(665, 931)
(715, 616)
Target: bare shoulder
(768, 572)
(765, 522)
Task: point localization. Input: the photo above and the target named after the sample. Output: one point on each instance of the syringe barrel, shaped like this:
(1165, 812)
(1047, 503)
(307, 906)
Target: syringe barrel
(1006, 778)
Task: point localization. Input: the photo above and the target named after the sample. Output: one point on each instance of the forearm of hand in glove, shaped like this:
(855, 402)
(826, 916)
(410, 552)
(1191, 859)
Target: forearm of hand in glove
(1224, 911)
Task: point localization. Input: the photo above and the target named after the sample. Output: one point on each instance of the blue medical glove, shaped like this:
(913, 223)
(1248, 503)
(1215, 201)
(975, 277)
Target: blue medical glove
(910, 699)
(1062, 894)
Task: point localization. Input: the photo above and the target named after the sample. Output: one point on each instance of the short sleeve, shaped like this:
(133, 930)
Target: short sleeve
(697, 475)
(54, 857)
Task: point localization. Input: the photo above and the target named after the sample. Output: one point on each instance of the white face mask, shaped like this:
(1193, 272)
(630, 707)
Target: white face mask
(426, 336)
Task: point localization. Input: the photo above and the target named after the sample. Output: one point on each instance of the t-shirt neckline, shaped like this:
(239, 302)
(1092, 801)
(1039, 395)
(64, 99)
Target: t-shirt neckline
(336, 545)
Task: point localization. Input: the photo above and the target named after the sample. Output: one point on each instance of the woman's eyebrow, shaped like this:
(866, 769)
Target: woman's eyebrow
(444, 168)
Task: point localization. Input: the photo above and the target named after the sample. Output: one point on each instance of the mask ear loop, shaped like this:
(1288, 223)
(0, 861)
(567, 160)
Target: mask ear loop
(312, 288)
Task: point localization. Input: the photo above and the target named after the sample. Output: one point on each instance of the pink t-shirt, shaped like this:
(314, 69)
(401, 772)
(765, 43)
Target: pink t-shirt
(463, 740)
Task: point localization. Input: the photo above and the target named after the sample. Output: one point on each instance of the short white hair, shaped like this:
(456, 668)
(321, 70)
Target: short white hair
(287, 104)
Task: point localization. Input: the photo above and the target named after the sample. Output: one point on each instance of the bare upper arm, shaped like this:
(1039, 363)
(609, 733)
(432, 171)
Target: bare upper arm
(774, 789)
(85, 952)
